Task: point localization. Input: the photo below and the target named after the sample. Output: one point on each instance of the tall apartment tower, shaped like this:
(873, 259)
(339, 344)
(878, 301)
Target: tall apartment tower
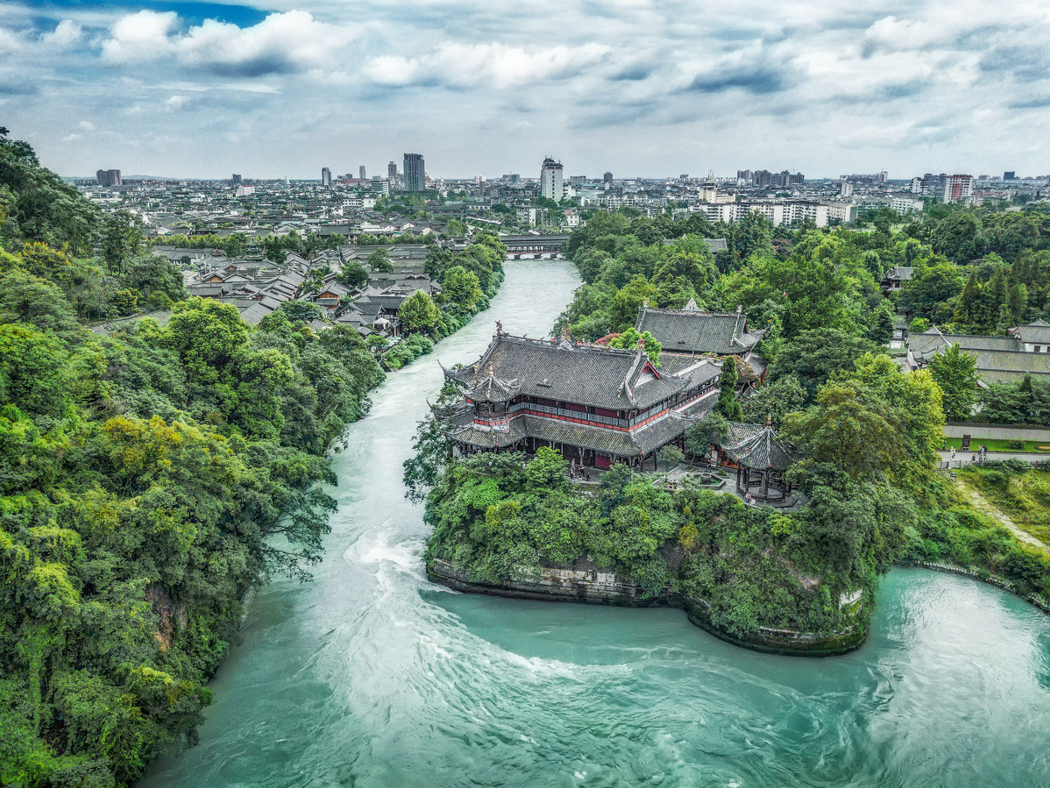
(607, 180)
(326, 177)
(391, 171)
(236, 179)
(108, 177)
(361, 173)
(415, 173)
(958, 188)
(551, 185)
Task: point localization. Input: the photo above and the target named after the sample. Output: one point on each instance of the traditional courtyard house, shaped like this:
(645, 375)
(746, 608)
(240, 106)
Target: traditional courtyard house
(999, 359)
(691, 332)
(595, 405)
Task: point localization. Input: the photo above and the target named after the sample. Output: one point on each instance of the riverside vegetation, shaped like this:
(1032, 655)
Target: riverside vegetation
(867, 431)
(148, 479)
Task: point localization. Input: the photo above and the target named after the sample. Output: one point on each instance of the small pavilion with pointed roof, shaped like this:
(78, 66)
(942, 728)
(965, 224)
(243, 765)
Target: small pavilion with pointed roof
(761, 459)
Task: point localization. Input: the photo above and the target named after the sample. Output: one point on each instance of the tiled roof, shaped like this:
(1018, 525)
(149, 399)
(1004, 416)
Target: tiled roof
(1037, 333)
(689, 331)
(923, 346)
(756, 447)
(900, 273)
(567, 372)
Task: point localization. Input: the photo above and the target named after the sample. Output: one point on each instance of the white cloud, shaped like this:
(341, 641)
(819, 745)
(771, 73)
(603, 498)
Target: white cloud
(175, 103)
(9, 42)
(282, 42)
(139, 37)
(64, 35)
(86, 125)
(493, 65)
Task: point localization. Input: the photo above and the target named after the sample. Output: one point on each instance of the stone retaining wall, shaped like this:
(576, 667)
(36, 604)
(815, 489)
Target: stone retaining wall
(997, 432)
(603, 587)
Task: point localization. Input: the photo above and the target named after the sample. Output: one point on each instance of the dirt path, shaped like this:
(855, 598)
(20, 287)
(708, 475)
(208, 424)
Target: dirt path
(979, 502)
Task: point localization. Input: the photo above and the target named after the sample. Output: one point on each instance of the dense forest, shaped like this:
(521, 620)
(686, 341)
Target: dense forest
(866, 430)
(148, 478)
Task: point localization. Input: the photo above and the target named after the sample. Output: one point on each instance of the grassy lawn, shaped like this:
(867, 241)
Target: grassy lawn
(1000, 445)
(1023, 497)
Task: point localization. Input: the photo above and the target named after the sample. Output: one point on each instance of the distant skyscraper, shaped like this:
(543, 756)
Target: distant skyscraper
(326, 177)
(415, 173)
(108, 177)
(551, 185)
(1010, 175)
(607, 179)
(391, 171)
(361, 173)
(236, 178)
(958, 188)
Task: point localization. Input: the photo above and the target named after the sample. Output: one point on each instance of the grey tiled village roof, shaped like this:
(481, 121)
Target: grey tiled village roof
(1037, 333)
(999, 359)
(693, 331)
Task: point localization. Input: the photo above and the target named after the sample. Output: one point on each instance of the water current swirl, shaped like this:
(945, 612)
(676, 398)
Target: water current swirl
(371, 676)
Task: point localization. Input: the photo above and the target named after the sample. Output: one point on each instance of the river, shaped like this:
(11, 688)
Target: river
(371, 676)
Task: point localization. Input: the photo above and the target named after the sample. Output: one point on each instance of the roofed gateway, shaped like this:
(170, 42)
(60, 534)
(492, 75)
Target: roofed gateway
(596, 405)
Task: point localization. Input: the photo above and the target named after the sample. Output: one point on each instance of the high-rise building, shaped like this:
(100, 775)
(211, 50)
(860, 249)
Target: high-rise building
(958, 188)
(1010, 175)
(361, 173)
(108, 177)
(236, 178)
(391, 171)
(415, 173)
(326, 177)
(551, 185)
(607, 179)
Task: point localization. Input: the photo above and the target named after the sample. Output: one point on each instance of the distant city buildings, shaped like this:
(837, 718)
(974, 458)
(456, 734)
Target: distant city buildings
(1010, 175)
(236, 179)
(108, 177)
(906, 205)
(391, 171)
(958, 188)
(765, 178)
(551, 185)
(361, 173)
(607, 180)
(326, 177)
(415, 173)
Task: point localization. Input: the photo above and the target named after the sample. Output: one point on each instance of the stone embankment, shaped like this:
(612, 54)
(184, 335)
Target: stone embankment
(603, 587)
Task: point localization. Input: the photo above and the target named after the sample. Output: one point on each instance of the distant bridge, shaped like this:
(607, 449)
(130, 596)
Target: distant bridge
(534, 246)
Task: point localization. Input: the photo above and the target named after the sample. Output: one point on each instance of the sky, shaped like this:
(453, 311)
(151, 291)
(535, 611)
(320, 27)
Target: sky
(650, 88)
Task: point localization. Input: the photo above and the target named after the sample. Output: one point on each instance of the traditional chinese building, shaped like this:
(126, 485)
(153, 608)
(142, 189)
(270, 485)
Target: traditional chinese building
(596, 405)
(686, 333)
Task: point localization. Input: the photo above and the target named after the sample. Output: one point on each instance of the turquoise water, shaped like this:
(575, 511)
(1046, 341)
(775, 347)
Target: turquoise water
(371, 676)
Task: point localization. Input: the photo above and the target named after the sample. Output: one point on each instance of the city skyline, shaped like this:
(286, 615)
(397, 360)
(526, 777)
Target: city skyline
(196, 90)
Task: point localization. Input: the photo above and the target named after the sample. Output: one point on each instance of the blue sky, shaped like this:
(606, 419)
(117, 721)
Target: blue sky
(484, 87)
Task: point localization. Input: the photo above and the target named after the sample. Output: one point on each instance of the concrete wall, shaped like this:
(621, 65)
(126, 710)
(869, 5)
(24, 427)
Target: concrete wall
(997, 432)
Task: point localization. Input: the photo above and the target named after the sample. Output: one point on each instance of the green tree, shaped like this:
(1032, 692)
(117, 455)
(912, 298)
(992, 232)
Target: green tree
(120, 240)
(776, 400)
(418, 312)
(460, 287)
(630, 339)
(728, 406)
(814, 357)
(379, 261)
(353, 274)
(956, 374)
